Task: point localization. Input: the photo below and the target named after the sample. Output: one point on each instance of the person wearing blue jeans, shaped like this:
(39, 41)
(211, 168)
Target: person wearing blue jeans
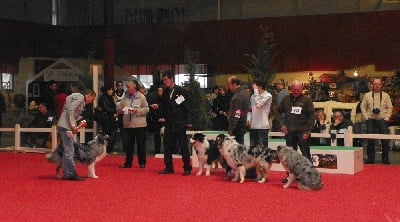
(67, 126)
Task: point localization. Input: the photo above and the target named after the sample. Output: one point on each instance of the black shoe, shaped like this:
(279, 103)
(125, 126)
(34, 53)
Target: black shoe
(74, 178)
(187, 172)
(166, 171)
(125, 166)
(385, 161)
(369, 161)
(284, 180)
(142, 166)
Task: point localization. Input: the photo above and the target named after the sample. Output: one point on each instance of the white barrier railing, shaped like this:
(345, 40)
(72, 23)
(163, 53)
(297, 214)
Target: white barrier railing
(17, 130)
(348, 136)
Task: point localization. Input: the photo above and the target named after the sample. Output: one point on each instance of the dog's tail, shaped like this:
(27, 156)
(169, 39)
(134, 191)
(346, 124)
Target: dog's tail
(53, 157)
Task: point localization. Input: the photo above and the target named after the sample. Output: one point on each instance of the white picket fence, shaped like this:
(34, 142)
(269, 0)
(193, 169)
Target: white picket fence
(17, 130)
(348, 136)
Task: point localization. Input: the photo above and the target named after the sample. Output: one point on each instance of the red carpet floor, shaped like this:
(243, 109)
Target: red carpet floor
(30, 192)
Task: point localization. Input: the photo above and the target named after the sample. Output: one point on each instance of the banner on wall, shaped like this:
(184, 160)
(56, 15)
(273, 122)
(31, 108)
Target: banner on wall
(60, 75)
(61, 71)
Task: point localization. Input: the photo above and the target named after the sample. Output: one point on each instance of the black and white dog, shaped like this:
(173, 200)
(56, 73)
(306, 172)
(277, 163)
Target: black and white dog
(207, 152)
(87, 153)
(239, 158)
(300, 169)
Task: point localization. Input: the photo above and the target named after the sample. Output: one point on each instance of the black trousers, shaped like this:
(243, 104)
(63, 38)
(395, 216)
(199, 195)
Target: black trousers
(173, 137)
(295, 139)
(130, 136)
(379, 126)
(109, 127)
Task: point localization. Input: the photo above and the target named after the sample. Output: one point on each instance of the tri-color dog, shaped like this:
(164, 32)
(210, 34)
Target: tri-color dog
(87, 153)
(300, 169)
(207, 152)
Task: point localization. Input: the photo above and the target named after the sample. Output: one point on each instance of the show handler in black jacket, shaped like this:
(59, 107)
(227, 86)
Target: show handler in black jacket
(177, 116)
(297, 117)
(238, 109)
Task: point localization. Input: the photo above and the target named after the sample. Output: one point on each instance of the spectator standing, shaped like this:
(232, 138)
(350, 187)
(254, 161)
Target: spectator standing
(340, 124)
(395, 117)
(119, 93)
(377, 108)
(297, 118)
(108, 124)
(60, 99)
(214, 94)
(210, 98)
(239, 106)
(134, 108)
(282, 92)
(67, 126)
(49, 96)
(3, 109)
(155, 120)
(142, 89)
(178, 117)
(257, 117)
(221, 108)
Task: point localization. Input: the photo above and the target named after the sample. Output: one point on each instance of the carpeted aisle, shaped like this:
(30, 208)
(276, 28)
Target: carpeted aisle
(30, 192)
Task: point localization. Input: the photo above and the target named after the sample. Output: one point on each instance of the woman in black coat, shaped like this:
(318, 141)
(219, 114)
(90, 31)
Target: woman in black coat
(108, 123)
(221, 108)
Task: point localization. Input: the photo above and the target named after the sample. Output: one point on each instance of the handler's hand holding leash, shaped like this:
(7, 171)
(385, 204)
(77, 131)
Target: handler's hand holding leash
(74, 130)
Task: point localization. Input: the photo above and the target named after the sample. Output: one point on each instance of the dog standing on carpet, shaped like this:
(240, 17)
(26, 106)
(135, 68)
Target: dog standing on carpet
(240, 158)
(299, 169)
(207, 152)
(87, 153)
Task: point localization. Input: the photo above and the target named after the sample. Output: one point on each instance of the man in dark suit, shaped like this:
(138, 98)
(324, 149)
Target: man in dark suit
(177, 116)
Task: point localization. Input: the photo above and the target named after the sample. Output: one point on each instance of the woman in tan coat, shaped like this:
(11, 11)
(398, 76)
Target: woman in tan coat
(134, 108)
